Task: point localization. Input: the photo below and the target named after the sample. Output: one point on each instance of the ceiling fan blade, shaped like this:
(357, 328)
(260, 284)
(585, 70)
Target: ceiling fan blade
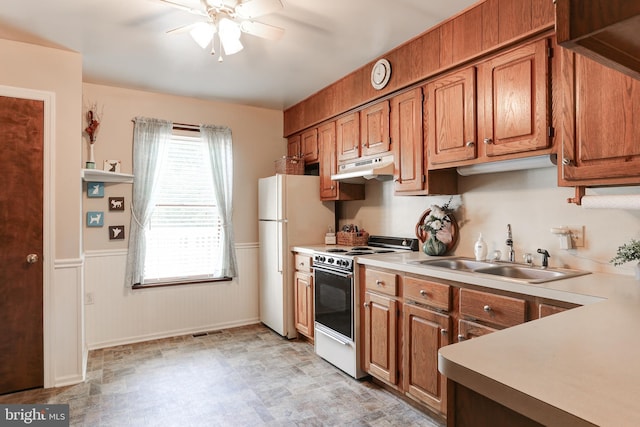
(261, 30)
(250, 9)
(185, 8)
(184, 28)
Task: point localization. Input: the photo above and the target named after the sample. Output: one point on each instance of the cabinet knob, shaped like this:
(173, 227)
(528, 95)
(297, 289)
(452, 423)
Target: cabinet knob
(488, 141)
(333, 187)
(366, 305)
(461, 338)
(379, 283)
(423, 293)
(470, 144)
(443, 331)
(566, 162)
(487, 308)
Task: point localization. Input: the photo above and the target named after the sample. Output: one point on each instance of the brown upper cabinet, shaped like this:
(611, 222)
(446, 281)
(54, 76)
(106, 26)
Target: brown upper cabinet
(601, 124)
(374, 129)
(603, 30)
(348, 137)
(502, 110)
(309, 144)
(294, 147)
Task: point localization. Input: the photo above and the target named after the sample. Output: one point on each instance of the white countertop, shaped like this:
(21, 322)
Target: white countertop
(573, 368)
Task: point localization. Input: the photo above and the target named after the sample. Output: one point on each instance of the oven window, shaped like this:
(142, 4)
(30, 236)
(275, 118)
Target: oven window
(334, 302)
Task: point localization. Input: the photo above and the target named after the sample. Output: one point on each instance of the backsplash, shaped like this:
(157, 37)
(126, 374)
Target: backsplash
(528, 200)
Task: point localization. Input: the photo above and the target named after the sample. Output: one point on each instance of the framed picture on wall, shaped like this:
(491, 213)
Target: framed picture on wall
(112, 165)
(116, 232)
(95, 189)
(116, 203)
(95, 219)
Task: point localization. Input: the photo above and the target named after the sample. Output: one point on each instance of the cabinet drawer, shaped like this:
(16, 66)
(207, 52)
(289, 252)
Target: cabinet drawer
(381, 281)
(498, 309)
(468, 330)
(303, 262)
(429, 293)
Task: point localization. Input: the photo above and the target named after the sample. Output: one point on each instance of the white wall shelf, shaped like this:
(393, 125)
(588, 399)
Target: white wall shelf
(96, 175)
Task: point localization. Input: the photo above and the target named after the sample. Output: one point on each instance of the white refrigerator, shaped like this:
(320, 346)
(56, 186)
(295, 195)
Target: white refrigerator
(290, 214)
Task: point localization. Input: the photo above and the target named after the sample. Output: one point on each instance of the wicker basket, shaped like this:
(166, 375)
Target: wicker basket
(290, 166)
(360, 238)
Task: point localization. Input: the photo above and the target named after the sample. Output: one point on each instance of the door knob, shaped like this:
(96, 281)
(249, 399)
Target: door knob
(32, 258)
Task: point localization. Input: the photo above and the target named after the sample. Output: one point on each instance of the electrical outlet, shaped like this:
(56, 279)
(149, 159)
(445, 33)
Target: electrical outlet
(577, 235)
(89, 298)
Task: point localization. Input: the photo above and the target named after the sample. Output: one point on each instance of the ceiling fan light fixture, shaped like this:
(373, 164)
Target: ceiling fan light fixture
(229, 33)
(203, 33)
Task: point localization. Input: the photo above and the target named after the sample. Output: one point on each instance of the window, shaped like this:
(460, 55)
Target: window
(183, 237)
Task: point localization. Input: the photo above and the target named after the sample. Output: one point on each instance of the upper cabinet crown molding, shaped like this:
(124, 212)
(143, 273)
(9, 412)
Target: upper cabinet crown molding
(603, 30)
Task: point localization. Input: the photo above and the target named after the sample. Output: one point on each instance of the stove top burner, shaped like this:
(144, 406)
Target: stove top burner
(360, 252)
(337, 250)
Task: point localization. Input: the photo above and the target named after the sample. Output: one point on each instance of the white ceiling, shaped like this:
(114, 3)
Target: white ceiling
(123, 43)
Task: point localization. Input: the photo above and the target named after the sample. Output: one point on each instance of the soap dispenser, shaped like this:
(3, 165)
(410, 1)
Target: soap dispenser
(480, 249)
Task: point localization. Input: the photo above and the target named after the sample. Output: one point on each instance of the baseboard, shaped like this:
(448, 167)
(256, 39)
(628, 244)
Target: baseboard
(174, 333)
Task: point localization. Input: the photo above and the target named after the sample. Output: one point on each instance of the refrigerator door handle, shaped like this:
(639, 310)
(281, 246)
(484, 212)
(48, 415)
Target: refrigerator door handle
(278, 246)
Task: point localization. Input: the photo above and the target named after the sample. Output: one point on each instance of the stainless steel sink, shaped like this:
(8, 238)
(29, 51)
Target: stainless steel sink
(507, 271)
(530, 274)
(456, 263)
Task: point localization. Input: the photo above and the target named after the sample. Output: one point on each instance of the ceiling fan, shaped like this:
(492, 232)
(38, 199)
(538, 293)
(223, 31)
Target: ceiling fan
(228, 19)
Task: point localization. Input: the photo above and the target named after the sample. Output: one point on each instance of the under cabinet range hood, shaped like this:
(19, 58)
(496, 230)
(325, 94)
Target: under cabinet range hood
(535, 162)
(363, 170)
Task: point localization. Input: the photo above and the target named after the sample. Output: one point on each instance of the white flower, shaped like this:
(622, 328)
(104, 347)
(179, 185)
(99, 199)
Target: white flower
(435, 225)
(437, 212)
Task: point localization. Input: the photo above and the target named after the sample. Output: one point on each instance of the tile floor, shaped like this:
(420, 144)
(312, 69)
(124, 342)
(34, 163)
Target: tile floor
(246, 376)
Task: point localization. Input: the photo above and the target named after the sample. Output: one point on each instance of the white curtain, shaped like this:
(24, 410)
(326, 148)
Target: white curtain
(218, 139)
(150, 138)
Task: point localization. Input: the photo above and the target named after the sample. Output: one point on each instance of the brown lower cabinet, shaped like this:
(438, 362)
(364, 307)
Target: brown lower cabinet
(408, 318)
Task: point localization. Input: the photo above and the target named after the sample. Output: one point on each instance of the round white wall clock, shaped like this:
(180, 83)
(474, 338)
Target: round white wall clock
(380, 74)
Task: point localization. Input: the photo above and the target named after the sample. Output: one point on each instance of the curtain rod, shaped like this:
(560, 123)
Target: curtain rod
(182, 126)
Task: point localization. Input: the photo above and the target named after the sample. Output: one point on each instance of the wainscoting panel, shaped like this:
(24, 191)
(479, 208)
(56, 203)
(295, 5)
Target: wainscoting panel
(119, 315)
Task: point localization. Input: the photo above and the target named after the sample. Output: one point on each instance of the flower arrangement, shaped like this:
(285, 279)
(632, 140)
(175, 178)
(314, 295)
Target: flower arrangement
(627, 252)
(93, 120)
(438, 226)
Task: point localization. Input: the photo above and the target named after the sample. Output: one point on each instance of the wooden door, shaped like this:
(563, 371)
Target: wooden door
(513, 99)
(406, 130)
(21, 234)
(303, 295)
(309, 144)
(348, 137)
(451, 117)
(425, 331)
(380, 328)
(468, 330)
(328, 161)
(601, 125)
(294, 146)
(374, 129)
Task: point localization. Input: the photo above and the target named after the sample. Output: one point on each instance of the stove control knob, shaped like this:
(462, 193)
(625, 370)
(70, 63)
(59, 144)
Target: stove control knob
(330, 260)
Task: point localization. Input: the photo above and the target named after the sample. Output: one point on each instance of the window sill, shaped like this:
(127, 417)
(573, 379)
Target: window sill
(180, 283)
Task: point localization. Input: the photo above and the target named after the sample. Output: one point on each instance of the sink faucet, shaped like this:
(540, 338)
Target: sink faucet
(545, 257)
(512, 253)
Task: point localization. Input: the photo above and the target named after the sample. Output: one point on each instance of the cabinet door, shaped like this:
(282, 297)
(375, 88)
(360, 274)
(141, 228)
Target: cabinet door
(425, 331)
(328, 163)
(513, 98)
(380, 317)
(348, 137)
(303, 295)
(294, 148)
(406, 134)
(309, 142)
(451, 117)
(468, 330)
(601, 125)
(374, 129)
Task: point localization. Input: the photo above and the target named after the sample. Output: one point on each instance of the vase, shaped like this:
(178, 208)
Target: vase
(91, 164)
(434, 247)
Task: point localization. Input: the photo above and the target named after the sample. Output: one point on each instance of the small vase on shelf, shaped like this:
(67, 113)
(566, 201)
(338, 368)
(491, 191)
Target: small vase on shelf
(91, 164)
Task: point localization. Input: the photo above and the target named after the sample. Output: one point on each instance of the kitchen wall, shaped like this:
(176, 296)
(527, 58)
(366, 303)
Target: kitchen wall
(528, 200)
(120, 315)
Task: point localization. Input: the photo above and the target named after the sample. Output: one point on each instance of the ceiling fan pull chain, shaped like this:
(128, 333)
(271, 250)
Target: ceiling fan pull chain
(220, 58)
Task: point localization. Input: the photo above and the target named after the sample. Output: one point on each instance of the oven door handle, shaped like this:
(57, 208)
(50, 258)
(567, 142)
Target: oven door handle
(327, 332)
(335, 272)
